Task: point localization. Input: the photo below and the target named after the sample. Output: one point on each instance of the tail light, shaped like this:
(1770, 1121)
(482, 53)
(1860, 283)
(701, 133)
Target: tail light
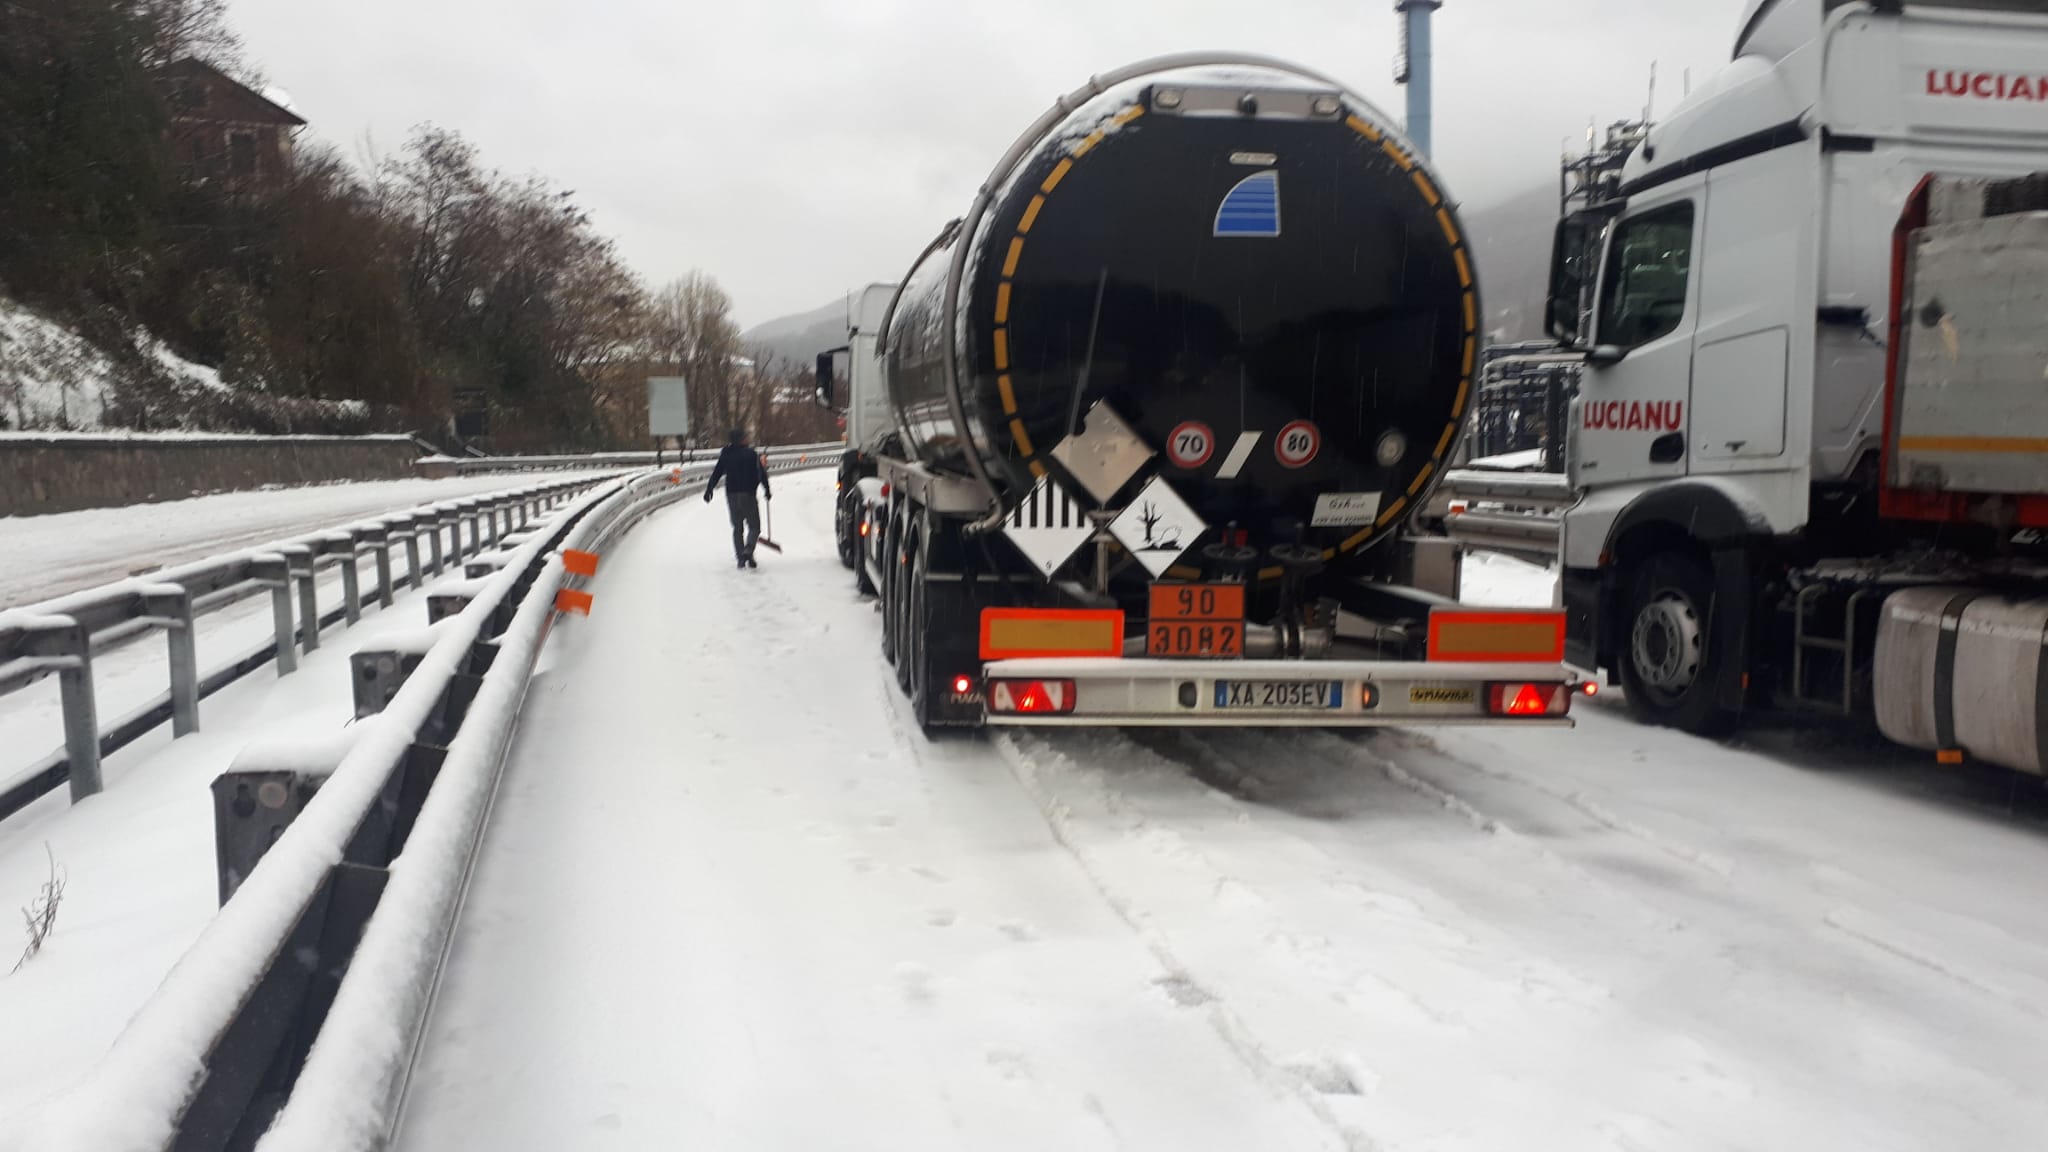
(885, 491)
(1528, 699)
(963, 685)
(1031, 697)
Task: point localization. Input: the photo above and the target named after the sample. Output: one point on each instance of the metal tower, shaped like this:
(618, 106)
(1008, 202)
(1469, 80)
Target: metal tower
(1412, 66)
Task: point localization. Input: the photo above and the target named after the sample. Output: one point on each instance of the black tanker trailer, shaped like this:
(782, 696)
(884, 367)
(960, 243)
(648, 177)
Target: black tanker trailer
(1158, 409)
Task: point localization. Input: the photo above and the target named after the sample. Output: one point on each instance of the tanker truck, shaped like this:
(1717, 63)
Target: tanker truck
(1136, 440)
(1809, 447)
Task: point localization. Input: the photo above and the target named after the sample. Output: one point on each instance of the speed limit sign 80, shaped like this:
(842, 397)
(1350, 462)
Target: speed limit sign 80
(1297, 444)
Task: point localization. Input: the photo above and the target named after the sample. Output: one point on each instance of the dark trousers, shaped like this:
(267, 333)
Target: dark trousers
(746, 521)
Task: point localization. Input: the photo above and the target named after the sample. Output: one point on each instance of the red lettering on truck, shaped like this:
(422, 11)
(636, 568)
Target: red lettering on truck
(1633, 415)
(1987, 85)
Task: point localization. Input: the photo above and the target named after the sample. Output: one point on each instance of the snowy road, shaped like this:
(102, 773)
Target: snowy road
(730, 898)
(62, 553)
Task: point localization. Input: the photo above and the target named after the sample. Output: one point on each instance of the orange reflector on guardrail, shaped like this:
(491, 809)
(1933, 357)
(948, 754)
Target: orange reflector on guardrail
(1026, 633)
(675, 475)
(579, 563)
(1496, 637)
(573, 600)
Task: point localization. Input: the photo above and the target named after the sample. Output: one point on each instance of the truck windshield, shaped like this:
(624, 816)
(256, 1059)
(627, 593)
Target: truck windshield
(1642, 295)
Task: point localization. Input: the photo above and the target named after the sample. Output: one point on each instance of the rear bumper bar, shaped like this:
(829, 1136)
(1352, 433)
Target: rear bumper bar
(1184, 693)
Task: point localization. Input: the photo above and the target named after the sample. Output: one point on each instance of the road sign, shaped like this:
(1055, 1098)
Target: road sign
(1104, 455)
(1048, 527)
(668, 406)
(1297, 444)
(1190, 444)
(1158, 527)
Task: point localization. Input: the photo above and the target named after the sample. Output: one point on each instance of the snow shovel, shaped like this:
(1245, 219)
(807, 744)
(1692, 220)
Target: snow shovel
(764, 539)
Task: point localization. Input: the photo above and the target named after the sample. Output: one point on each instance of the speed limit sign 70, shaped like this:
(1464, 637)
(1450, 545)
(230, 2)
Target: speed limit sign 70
(1190, 444)
(1297, 444)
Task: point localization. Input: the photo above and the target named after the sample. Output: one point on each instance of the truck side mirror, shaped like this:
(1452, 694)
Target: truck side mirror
(825, 379)
(1568, 259)
(1606, 355)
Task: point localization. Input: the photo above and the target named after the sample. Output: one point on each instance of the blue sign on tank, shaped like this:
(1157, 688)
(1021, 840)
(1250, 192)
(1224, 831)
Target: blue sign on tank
(1252, 208)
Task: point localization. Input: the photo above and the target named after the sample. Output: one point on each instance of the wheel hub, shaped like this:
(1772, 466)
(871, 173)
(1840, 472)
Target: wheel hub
(1667, 642)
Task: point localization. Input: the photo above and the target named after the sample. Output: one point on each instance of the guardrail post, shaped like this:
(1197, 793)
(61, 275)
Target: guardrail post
(81, 710)
(174, 605)
(275, 571)
(380, 539)
(343, 544)
(488, 517)
(457, 517)
(299, 560)
(414, 575)
(432, 520)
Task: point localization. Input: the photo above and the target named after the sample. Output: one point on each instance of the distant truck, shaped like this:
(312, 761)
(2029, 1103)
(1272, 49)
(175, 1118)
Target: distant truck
(1810, 442)
(1136, 440)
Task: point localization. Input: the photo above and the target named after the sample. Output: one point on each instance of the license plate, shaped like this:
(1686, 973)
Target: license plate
(1279, 695)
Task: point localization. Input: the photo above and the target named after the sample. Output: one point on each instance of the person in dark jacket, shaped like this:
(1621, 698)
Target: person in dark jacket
(742, 470)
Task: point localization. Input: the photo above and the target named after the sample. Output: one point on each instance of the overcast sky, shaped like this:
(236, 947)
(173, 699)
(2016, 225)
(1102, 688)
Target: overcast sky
(795, 149)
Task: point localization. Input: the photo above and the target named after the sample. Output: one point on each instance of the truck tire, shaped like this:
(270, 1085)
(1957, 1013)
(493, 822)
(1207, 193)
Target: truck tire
(890, 528)
(917, 634)
(846, 528)
(1668, 656)
(899, 573)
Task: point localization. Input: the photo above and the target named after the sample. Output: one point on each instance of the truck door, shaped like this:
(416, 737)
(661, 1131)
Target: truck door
(1630, 418)
(1756, 293)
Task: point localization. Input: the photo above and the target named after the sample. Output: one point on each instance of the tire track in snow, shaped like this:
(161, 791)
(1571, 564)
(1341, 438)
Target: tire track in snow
(1021, 752)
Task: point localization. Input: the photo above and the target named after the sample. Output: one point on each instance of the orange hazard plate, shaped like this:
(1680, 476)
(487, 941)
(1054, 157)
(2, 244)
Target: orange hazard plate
(1200, 621)
(1197, 602)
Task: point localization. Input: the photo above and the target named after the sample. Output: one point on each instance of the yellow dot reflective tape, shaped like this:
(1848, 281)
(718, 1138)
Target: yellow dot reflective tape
(1002, 349)
(1010, 262)
(1003, 302)
(1464, 390)
(1009, 396)
(1058, 173)
(1271, 573)
(1443, 443)
(1464, 267)
(1329, 554)
(1127, 115)
(1399, 156)
(1471, 350)
(1023, 438)
(1443, 219)
(1471, 313)
(1030, 214)
(1422, 477)
(1364, 129)
(1088, 145)
(1428, 189)
(1392, 511)
(1361, 538)
(1037, 469)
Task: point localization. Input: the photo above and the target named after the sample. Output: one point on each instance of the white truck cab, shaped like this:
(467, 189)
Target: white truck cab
(1732, 413)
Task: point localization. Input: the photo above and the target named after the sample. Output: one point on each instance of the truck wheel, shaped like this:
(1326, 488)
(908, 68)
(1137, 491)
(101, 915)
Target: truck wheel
(889, 527)
(906, 652)
(917, 632)
(846, 527)
(1669, 664)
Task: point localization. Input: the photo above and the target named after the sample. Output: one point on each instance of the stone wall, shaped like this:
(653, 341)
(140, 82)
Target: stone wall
(63, 473)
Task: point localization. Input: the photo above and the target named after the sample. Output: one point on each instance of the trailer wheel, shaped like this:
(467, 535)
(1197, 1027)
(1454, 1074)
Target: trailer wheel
(1669, 661)
(899, 572)
(846, 528)
(917, 632)
(890, 528)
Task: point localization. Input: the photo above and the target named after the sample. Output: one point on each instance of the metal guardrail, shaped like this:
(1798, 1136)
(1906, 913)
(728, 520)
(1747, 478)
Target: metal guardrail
(62, 635)
(325, 931)
(467, 466)
(1512, 512)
